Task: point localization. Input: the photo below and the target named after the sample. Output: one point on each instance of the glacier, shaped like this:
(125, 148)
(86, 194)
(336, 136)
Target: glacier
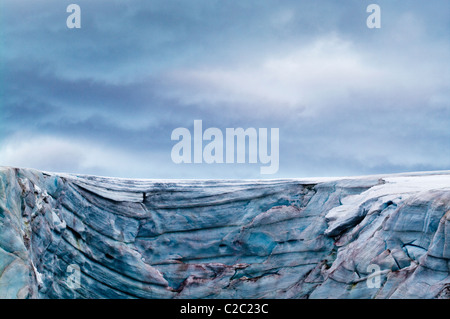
(288, 238)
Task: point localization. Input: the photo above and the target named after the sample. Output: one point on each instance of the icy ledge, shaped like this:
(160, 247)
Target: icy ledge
(224, 239)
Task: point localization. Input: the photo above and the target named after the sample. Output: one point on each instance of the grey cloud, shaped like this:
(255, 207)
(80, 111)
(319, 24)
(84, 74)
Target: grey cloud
(111, 83)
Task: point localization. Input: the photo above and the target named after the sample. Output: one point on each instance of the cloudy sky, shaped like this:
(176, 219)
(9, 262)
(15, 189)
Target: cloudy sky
(104, 99)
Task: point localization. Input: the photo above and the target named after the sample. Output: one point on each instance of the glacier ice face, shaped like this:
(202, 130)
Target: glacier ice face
(315, 238)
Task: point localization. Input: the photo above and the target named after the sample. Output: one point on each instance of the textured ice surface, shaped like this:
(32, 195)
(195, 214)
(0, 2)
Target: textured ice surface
(312, 238)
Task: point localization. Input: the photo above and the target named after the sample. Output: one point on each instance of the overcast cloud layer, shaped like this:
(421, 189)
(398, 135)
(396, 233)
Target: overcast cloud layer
(105, 98)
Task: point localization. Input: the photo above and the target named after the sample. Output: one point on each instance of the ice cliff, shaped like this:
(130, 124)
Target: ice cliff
(312, 238)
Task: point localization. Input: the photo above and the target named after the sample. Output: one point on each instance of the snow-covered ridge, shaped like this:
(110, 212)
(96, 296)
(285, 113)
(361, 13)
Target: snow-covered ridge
(288, 238)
